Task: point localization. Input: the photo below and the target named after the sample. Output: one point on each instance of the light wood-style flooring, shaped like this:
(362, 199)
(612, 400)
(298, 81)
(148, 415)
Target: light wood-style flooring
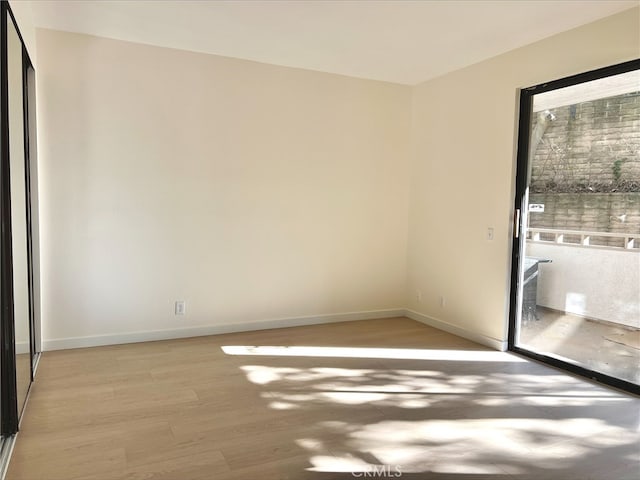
(319, 402)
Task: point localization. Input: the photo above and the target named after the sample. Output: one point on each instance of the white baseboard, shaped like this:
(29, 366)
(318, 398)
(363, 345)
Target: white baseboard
(153, 335)
(490, 342)
(23, 347)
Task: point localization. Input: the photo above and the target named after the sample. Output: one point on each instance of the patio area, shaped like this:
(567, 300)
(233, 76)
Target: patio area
(606, 347)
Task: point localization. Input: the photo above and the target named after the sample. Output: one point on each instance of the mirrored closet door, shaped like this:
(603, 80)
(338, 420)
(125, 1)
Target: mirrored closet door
(19, 320)
(18, 188)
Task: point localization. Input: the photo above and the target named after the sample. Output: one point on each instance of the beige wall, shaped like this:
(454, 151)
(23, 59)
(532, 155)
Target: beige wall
(463, 168)
(257, 192)
(250, 191)
(24, 17)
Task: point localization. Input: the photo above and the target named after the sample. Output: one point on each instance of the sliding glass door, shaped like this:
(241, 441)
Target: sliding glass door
(576, 272)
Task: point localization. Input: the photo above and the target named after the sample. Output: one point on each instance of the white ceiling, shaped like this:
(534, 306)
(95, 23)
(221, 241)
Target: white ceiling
(397, 41)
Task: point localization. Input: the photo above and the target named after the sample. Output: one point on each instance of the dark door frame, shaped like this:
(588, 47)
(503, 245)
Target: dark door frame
(524, 127)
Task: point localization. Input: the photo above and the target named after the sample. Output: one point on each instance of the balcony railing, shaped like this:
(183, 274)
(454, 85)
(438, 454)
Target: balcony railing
(580, 238)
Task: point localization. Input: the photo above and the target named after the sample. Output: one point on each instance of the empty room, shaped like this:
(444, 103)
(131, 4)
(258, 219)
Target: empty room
(317, 239)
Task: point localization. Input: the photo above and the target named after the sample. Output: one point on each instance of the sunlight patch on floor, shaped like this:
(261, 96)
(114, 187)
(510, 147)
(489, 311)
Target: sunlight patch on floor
(550, 401)
(556, 334)
(440, 445)
(366, 352)
(453, 416)
(291, 387)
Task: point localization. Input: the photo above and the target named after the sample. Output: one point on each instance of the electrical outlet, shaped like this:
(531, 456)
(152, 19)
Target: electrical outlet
(418, 296)
(443, 301)
(489, 233)
(181, 307)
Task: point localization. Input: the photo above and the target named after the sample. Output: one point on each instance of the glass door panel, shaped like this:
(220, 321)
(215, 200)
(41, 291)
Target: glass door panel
(577, 301)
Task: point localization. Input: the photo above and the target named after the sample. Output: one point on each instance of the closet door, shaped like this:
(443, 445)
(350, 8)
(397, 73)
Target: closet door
(19, 272)
(20, 235)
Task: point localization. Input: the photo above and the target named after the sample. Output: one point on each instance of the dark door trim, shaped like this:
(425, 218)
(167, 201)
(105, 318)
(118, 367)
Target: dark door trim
(524, 126)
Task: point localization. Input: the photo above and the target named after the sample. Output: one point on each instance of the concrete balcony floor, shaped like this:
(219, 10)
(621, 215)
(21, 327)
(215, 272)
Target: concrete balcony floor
(601, 346)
